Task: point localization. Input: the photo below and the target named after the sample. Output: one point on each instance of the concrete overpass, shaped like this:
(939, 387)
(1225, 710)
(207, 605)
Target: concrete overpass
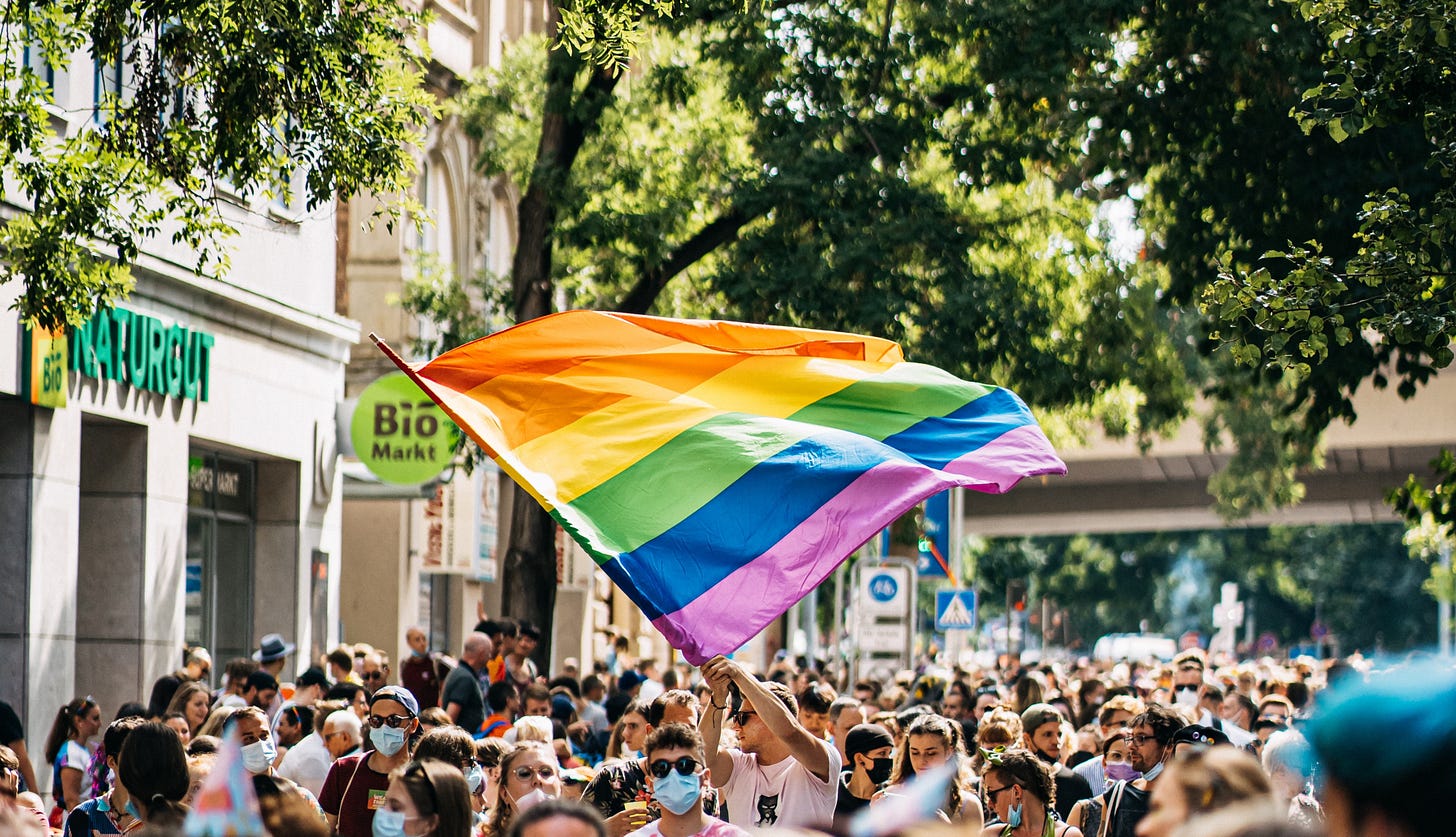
(1112, 487)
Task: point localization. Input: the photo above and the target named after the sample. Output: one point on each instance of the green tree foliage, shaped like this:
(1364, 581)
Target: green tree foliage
(1357, 580)
(252, 93)
(1333, 312)
(934, 173)
(1371, 299)
(803, 163)
(1186, 109)
(801, 166)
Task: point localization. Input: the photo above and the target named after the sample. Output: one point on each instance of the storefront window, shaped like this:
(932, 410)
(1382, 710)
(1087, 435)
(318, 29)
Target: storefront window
(220, 511)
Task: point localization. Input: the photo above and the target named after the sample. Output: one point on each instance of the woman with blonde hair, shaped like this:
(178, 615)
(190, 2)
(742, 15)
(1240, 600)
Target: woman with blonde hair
(216, 720)
(192, 701)
(1203, 780)
(932, 741)
(1000, 730)
(529, 774)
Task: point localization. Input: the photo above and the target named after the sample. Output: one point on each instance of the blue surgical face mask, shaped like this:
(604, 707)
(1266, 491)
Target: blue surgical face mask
(474, 778)
(387, 740)
(1013, 815)
(389, 823)
(131, 811)
(258, 756)
(1153, 774)
(678, 793)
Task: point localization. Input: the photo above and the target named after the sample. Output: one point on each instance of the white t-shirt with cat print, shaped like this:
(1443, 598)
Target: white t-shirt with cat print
(783, 795)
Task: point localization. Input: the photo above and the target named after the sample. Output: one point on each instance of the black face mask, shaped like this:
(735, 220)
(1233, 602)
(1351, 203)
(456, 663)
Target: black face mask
(879, 771)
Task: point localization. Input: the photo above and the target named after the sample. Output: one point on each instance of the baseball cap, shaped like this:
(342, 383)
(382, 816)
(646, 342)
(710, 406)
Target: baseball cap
(1199, 734)
(1037, 714)
(397, 693)
(862, 738)
(629, 680)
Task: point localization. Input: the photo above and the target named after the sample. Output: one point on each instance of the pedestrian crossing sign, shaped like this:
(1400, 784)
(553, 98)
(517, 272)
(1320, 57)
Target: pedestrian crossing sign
(955, 610)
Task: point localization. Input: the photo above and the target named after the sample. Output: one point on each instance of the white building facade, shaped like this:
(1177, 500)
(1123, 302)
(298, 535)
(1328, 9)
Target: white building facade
(187, 492)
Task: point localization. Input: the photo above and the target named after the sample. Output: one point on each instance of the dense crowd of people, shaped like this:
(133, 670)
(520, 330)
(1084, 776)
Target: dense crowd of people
(484, 745)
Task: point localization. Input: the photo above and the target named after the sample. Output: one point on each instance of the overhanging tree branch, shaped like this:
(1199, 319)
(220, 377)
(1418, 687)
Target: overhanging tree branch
(653, 278)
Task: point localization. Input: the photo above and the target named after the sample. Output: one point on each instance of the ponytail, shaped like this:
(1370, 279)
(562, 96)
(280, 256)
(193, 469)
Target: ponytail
(65, 726)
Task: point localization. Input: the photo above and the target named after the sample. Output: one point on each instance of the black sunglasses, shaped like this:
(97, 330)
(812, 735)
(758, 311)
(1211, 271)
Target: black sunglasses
(741, 718)
(685, 766)
(395, 721)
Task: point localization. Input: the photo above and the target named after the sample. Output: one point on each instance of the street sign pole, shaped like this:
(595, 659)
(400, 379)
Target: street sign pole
(884, 614)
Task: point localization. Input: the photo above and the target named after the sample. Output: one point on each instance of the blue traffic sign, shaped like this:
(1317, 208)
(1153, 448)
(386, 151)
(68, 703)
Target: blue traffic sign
(934, 536)
(955, 610)
(883, 587)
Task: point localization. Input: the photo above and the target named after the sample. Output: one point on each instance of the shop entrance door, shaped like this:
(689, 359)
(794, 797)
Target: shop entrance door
(220, 535)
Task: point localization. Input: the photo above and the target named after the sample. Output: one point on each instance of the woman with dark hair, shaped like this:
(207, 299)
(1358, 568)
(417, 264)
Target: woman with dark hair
(425, 799)
(106, 812)
(68, 751)
(153, 769)
(930, 742)
(1019, 790)
(1087, 813)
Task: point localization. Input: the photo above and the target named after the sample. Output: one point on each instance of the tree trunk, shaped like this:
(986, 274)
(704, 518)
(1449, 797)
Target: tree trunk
(528, 574)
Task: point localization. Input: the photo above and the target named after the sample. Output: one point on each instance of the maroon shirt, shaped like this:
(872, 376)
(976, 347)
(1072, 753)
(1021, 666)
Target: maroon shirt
(353, 792)
(421, 675)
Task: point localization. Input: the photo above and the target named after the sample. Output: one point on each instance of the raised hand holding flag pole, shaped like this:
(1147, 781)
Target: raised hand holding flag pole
(718, 471)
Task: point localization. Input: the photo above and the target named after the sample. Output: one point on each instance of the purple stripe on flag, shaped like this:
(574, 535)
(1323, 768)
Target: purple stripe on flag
(999, 465)
(732, 611)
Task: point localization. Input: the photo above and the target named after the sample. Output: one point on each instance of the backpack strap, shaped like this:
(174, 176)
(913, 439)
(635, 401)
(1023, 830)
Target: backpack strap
(1114, 801)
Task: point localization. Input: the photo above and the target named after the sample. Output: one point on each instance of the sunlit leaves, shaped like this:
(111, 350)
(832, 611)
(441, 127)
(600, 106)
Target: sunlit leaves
(252, 92)
(1388, 68)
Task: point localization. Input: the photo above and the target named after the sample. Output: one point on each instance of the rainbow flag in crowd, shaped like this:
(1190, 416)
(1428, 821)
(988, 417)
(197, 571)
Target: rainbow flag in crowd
(718, 471)
(225, 804)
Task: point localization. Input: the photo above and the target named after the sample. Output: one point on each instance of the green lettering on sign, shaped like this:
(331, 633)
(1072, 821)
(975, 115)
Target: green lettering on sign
(141, 351)
(399, 434)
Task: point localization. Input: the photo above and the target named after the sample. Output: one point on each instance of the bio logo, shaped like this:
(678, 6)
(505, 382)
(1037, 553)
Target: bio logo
(399, 434)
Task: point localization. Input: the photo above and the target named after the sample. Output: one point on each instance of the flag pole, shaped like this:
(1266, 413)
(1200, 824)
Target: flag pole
(429, 391)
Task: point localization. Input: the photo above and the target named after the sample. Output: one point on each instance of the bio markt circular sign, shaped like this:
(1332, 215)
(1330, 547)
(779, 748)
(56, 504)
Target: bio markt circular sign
(399, 434)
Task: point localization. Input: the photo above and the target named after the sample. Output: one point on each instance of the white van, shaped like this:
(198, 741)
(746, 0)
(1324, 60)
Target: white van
(1118, 647)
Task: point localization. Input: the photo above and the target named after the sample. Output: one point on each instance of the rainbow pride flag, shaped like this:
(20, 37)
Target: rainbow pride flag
(718, 471)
